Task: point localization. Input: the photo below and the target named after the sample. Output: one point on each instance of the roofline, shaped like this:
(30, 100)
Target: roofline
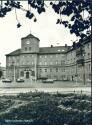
(85, 42)
(30, 37)
(41, 53)
(37, 53)
(54, 46)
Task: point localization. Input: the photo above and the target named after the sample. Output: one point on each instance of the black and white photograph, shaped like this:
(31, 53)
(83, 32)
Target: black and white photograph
(45, 62)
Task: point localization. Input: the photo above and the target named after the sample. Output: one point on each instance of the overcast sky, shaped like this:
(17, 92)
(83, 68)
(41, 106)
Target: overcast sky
(45, 29)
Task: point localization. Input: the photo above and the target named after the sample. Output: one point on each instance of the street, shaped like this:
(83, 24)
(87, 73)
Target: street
(59, 86)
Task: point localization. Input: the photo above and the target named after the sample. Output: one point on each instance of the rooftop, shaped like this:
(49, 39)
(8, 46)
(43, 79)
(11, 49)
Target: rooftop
(30, 36)
(43, 50)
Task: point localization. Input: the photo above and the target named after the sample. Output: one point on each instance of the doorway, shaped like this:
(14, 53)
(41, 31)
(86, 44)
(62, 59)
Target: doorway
(27, 75)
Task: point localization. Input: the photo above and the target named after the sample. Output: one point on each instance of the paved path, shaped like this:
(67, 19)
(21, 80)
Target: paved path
(15, 88)
(14, 91)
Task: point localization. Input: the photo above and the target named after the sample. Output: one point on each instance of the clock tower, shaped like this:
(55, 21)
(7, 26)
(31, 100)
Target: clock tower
(30, 44)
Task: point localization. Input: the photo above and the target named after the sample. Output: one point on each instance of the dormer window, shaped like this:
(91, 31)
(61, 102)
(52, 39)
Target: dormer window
(58, 50)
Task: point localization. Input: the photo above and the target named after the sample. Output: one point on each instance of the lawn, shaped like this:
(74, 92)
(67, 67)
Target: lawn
(47, 109)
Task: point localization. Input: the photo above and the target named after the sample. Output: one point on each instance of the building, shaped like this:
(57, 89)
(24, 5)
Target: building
(2, 72)
(60, 62)
(78, 63)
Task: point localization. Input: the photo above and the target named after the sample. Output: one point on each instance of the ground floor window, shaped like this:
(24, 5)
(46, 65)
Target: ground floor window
(89, 76)
(21, 73)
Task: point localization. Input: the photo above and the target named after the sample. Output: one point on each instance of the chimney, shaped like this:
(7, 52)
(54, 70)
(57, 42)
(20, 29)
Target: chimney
(74, 45)
(51, 46)
(65, 45)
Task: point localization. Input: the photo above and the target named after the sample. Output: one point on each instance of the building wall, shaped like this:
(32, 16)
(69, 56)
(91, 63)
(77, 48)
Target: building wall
(74, 68)
(59, 66)
(51, 66)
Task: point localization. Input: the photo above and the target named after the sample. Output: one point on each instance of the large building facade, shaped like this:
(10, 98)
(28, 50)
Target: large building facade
(61, 62)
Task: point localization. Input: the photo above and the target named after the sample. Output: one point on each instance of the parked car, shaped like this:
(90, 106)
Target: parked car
(48, 81)
(6, 80)
(20, 80)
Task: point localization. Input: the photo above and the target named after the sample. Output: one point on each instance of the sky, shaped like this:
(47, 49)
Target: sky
(45, 29)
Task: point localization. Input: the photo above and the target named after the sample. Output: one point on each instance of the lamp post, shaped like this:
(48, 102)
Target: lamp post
(14, 72)
(76, 73)
(84, 70)
(0, 71)
(35, 70)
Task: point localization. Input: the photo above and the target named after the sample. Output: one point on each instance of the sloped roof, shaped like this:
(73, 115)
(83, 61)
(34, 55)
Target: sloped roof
(30, 36)
(52, 50)
(80, 44)
(42, 50)
(14, 53)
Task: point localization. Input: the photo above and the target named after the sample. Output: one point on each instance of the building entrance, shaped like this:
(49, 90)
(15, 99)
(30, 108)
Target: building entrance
(27, 75)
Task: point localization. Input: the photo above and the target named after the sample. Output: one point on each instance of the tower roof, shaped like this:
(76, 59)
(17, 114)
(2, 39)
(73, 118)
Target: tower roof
(30, 36)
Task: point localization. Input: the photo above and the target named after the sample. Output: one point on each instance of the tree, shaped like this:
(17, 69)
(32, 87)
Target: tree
(74, 9)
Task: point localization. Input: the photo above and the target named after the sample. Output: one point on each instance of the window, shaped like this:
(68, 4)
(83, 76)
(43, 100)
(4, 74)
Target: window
(51, 56)
(88, 54)
(40, 70)
(27, 42)
(89, 76)
(59, 50)
(50, 70)
(88, 46)
(45, 63)
(45, 70)
(29, 48)
(50, 63)
(56, 69)
(63, 62)
(40, 63)
(63, 70)
(45, 56)
(89, 66)
(32, 63)
(21, 73)
(25, 48)
(56, 55)
(56, 62)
